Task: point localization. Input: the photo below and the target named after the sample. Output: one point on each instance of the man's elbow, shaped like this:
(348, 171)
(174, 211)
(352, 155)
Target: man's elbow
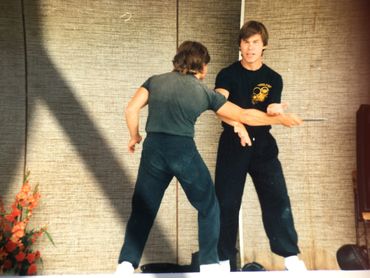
(131, 110)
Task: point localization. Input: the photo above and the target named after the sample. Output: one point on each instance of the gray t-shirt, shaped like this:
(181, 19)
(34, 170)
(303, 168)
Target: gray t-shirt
(175, 102)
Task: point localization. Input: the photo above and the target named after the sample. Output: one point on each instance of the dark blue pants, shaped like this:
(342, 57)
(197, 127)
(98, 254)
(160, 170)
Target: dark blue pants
(164, 157)
(261, 162)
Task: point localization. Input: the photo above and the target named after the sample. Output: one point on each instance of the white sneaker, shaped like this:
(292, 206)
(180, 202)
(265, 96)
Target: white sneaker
(210, 268)
(225, 266)
(293, 263)
(125, 269)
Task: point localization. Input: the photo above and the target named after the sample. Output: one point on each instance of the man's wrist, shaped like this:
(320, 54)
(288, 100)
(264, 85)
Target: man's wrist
(280, 118)
(135, 136)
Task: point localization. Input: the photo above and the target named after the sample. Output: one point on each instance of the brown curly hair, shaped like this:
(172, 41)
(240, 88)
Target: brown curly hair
(190, 58)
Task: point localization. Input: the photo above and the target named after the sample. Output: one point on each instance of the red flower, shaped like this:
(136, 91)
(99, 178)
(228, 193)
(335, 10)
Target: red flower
(20, 257)
(15, 239)
(26, 187)
(32, 270)
(36, 235)
(7, 227)
(16, 211)
(21, 196)
(2, 209)
(3, 253)
(7, 264)
(10, 246)
(18, 230)
(33, 200)
(10, 218)
(31, 257)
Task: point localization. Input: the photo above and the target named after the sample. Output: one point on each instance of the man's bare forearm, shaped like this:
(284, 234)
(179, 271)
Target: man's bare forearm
(228, 121)
(254, 117)
(132, 111)
(132, 122)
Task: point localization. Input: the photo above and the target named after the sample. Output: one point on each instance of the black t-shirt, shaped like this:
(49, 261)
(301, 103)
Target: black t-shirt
(250, 89)
(175, 102)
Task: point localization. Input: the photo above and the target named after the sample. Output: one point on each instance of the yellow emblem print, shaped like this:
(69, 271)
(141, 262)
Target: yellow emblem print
(260, 92)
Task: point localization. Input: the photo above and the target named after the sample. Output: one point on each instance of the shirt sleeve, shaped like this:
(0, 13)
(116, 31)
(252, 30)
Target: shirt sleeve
(216, 100)
(277, 89)
(223, 81)
(146, 84)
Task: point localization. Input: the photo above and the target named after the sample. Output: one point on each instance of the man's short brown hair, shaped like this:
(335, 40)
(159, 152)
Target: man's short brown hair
(251, 28)
(190, 58)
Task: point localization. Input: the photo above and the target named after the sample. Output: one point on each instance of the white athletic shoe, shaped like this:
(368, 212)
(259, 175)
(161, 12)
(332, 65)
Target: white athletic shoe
(125, 269)
(225, 266)
(293, 263)
(210, 268)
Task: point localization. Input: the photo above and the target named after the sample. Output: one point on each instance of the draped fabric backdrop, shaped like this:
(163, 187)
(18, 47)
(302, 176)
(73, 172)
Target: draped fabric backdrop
(70, 67)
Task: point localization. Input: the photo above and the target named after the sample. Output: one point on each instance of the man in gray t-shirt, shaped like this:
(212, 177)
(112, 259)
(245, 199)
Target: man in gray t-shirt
(175, 101)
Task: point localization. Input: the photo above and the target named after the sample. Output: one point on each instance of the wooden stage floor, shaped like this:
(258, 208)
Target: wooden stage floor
(260, 274)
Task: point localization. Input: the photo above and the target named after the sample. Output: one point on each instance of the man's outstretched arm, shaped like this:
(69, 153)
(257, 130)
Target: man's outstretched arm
(254, 117)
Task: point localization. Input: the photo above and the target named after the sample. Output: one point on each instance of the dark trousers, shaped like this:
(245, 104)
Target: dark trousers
(163, 157)
(261, 162)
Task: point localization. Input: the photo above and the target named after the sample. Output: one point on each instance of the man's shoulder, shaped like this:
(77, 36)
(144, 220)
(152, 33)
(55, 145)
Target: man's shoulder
(230, 69)
(273, 73)
(157, 76)
(171, 77)
(232, 66)
(164, 75)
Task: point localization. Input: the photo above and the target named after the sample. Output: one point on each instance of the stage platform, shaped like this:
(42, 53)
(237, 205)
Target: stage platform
(250, 274)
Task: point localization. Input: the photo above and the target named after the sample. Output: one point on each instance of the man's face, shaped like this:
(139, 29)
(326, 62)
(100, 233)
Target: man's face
(251, 49)
(203, 73)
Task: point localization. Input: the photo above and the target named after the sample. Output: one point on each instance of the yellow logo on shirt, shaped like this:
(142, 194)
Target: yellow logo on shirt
(260, 92)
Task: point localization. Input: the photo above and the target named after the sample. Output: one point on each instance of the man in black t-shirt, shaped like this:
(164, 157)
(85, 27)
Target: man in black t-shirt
(250, 83)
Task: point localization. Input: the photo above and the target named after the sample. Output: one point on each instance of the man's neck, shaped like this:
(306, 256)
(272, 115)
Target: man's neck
(252, 66)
